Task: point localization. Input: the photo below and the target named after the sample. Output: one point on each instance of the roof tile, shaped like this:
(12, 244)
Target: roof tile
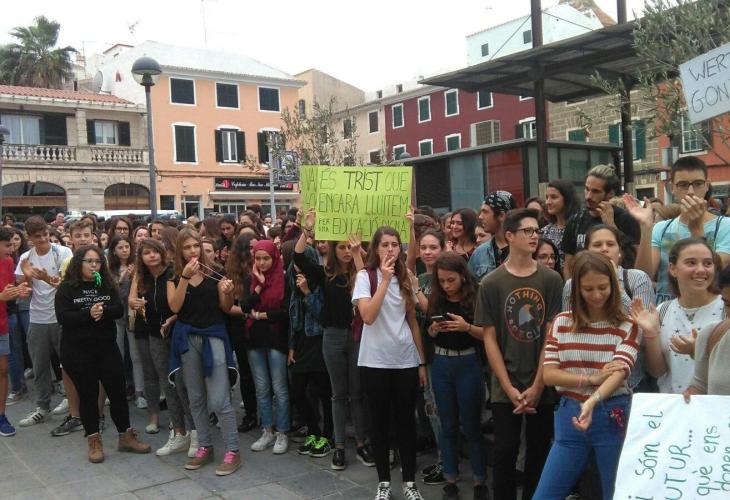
(61, 94)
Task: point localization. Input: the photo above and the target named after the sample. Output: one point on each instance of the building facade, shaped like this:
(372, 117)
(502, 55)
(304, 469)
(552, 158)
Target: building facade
(211, 115)
(72, 151)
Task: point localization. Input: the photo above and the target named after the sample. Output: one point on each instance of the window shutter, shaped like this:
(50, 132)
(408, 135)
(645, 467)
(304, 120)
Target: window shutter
(241, 147)
(218, 145)
(90, 133)
(614, 133)
(263, 148)
(578, 135)
(640, 128)
(125, 138)
(519, 131)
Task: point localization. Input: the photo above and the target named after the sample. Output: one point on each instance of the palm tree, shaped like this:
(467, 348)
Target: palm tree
(33, 62)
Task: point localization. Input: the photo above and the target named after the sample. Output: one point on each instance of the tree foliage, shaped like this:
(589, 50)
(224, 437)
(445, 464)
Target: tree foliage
(33, 61)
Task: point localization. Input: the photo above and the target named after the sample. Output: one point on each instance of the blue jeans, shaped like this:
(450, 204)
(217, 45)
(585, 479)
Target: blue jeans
(571, 449)
(458, 387)
(268, 367)
(17, 331)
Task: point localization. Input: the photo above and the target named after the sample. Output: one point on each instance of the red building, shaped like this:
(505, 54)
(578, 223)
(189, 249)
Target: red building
(431, 120)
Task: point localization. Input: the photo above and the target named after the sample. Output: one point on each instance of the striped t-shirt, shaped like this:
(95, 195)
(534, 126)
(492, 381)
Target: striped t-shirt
(587, 351)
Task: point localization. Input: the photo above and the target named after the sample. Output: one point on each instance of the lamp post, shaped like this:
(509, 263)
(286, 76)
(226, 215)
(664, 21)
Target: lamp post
(3, 132)
(146, 71)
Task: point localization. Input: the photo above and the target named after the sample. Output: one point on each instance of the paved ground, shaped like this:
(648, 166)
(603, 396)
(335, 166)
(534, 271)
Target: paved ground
(34, 465)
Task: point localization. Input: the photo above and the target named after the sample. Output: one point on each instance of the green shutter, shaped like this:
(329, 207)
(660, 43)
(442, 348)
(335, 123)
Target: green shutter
(640, 146)
(577, 135)
(614, 133)
(423, 110)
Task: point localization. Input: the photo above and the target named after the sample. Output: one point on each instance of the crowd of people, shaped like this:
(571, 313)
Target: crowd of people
(535, 324)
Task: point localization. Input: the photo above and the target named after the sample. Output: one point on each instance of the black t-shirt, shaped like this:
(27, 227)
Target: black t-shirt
(456, 340)
(574, 237)
(337, 310)
(157, 309)
(201, 307)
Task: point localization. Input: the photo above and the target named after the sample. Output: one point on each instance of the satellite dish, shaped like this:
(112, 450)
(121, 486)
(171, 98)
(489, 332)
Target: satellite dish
(97, 82)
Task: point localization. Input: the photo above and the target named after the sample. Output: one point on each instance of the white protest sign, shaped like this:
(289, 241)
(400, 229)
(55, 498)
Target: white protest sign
(706, 83)
(674, 450)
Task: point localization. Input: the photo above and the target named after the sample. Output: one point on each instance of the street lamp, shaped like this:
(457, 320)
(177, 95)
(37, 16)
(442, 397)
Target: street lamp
(3, 132)
(146, 71)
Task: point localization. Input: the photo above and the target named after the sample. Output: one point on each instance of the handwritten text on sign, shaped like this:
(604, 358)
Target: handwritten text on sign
(706, 83)
(674, 450)
(356, 200)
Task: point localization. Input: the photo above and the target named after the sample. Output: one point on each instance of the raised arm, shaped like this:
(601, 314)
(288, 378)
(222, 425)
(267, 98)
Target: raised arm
(647, 258)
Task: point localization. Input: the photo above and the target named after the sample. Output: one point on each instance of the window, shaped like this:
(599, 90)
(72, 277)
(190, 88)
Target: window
(185, 144)
(379, 94)
(397, 115)
(527, 36)
(453, 142)
(452, 102)
(167, 202)
(425, 147)
(191, 206)
(268, 99)
(23, 129)
(182, 91)
(373, 125)
(374, 156)
(347, 128)
(424, 109)
(692, 137)
(526, 129)
(227, 95)
(398, 151)
(399, 88)
(577, 135)
(638, 137)
(485, 50)
(302, 108)
(105, 132)
(484, 99)
(487, 132)
(525, 97)
(230, 146)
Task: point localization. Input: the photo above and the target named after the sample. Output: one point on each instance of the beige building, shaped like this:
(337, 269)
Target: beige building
(598, 120)
(72, 151)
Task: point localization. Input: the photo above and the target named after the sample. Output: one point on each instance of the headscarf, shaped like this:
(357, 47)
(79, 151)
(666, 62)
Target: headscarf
(272, 290)
(500, 201)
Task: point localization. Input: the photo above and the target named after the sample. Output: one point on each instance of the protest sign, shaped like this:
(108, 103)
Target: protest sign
(674, 450)
(706, 84)
(356, 200)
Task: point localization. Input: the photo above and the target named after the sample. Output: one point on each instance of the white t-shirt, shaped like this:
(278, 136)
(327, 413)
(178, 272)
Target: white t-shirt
(677, 320)
(388, 342)
(42, 308)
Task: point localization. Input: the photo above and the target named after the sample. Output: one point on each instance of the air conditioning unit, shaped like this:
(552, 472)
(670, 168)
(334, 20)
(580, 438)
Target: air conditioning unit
(487, 132)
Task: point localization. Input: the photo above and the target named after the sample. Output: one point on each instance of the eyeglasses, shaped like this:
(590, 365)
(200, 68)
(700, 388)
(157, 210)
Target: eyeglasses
(91, 262)
(122, 229)
(529, 231)
(546, 257)
(696, 185)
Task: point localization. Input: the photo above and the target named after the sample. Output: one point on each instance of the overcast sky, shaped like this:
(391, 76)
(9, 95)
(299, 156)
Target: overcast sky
(369, 44)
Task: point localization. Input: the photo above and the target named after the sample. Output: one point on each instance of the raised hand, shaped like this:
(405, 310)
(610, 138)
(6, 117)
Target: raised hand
(309, 219)
(192, 267)
(258, 274)
(605, 210)
(387, 267)
(643, 215)
(355, 242)
(302, 284)
(646, 318)
(225, 285)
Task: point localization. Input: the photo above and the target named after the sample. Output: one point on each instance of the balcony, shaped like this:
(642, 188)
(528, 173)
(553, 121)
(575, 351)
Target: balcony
(45, 154)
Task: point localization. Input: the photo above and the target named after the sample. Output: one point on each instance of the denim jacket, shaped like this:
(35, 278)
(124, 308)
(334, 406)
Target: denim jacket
(482, 261)
(304, 311)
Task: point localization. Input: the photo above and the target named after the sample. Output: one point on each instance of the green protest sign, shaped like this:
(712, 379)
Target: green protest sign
(356, 200)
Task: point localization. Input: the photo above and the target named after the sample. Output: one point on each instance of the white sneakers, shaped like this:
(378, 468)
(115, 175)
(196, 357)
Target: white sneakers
(62, 407)
(175, 444)
(194, 444)
(35, 417)
(141, 403)
(267, 439)
(282, 443)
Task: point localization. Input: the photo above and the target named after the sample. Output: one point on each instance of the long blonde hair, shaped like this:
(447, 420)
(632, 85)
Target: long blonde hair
(586, 262)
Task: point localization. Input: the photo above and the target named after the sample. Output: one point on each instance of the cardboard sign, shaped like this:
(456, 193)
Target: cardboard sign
(356, 200)
(706, 83)
(674, 450)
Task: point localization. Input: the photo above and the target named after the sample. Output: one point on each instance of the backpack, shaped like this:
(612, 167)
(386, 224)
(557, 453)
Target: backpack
(714, 237)
(357, 322)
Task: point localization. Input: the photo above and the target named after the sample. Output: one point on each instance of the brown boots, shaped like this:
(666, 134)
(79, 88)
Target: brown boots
(129, 442)
(96, 451)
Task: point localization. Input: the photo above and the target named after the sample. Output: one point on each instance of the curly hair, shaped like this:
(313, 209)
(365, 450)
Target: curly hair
(73, 273)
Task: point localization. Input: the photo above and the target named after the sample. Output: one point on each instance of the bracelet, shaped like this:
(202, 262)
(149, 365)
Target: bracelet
(421, 364)
(650, 337)
(182, 276)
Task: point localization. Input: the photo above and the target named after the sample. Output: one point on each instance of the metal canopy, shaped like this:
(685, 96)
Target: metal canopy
(566, 67)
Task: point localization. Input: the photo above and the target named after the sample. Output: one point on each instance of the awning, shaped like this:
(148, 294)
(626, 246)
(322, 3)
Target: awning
(252, 195)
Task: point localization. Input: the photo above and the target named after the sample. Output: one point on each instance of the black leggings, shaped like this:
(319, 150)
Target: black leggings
(319, 385)
(88, 364)
(392, 391)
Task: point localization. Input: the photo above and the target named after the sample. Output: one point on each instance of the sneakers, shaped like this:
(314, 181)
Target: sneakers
(176, 443)
(481, 492)
(248, 422)
(204, 455)
(267, 439)
(451, 492)
(69, 425)
(194, 444)
(15, 396)
(35, 417)
(300, 435)
(141, 403)
(365, 455)
(383, 492)
(282, 444)
(410, 492)
(152, 429)
(338, 459)
(6, 428)
(230, 464)
(428, 470)
(28, 373)
(62, 407)
(321, 448)
(309, 443)
(128, 442)
(436, 476)
(96, 450)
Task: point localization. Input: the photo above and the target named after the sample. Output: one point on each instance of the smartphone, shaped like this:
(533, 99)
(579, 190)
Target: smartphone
(438, 319)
